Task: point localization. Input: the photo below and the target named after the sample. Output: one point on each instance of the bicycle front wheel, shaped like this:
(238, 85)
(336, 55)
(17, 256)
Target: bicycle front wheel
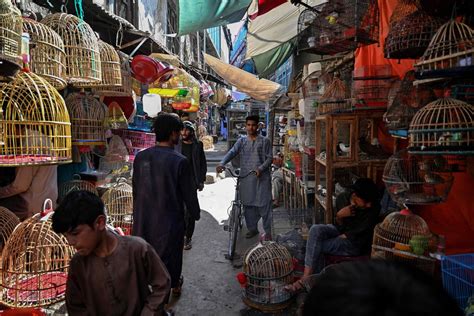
(234, 224)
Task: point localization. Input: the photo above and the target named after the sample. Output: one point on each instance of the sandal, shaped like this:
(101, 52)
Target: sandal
(176, 291)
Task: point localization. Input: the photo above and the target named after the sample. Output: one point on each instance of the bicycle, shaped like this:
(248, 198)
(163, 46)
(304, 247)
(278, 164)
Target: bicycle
(235, 216)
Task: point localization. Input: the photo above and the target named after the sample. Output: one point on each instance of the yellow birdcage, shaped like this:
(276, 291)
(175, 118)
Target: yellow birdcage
(115, 117)
(81, 45)
(8, 222)
(35, 264)
(34, 123)
(110, 63)
(87, 118)
(75, 185)
(10, 36)
(123, 90)
(47, 53)
(118, 201)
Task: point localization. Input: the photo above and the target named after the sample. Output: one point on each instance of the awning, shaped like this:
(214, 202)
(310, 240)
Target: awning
(259, 89)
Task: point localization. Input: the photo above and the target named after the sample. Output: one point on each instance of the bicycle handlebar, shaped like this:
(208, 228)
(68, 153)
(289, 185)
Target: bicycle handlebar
(233, 174)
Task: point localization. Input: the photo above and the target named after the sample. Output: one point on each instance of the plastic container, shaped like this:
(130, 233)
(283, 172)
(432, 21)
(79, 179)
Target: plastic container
(458, 277)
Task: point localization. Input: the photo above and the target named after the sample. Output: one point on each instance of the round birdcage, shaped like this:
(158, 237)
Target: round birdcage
(417, 179)
(35, 264)
(10, 38)
(118, 201)
(8, 222)
(75, 185)
(268, 268)
(404, 236)
(123, 90)
(445, 126)
(451, 49)
(335, 98)
(110, 63)
(47, 53)
(87, 118)
(115, 117)
(116, 157)
(81, 46)
(34, 123)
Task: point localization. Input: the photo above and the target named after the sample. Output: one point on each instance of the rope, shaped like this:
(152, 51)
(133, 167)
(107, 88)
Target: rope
(79, 9)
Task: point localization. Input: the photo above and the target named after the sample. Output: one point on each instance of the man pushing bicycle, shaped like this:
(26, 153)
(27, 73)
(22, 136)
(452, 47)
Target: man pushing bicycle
(255, 190)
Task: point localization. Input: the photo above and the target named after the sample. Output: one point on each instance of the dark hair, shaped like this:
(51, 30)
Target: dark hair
(189, 126)
(366, 189)
(77, 208)
(377, 288)
(254, 118)
(165, 125)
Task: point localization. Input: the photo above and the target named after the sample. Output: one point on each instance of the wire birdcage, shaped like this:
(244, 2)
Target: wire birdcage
(87, 118)
(268, 268)
(451, 50)
(136, 141)
(118, 201)
(75, 185)
(417, 179)
(125, 89)
(47, 53)
(35, 264)
(444, 126)
(116, 157)
(81, 46)
(371, 86)
(335, 98)
(34, 123)
(8, 222)
(405, 237)
(10, 36)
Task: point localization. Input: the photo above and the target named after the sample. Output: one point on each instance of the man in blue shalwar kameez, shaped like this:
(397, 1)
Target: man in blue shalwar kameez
(255, 190)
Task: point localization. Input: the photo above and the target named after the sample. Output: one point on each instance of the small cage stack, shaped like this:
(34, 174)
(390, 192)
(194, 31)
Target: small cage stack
(136, 141)
(8, 222)
(335, 98)
(371, 86)
(268, 268)
(10, 38)
(75, 185)
(118, 201)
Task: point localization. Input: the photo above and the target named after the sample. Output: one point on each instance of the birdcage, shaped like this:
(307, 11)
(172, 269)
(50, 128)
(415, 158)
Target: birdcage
(268, 268)
(371, 86)
(10, 38)
(405, 237)
(116, 157)
(87, 118)
(115, 117)
(444, 126)
(343, 25)
(47, 53)
(81, 46)
(118, 201)
(35, 264)
(458, 278)
(335, 98)
(450, 52)
(125, 89)
(8, 222)
(136, 141)
(34, 123)
(75, 185)
(417, 179)
(111, 71)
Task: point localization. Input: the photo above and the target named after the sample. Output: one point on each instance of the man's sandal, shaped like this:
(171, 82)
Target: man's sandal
(176, 291)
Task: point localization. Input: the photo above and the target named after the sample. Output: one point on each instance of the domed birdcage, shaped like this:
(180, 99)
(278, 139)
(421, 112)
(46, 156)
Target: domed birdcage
(123, 90)
(75, 185)
(8, 222)
(35, 264)
(115, 117)
(417, 179)
(110, 63)
(335, 98)
(445, 126)
(81, 46)
(451, 50)
(116, 157)
(10, 38)
(118, 201)
(267, 268)
(87, 118)
(34, 123)
(47, 53)
(404, 236)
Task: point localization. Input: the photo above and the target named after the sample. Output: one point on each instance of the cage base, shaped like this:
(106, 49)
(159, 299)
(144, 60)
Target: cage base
(267, 308)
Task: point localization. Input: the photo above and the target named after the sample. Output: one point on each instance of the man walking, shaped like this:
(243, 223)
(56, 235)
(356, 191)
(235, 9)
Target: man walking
(162, 187)
(255, 190)
(193, 150)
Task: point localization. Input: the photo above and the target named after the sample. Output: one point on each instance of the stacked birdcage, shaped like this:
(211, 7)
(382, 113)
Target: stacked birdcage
(81, 45)
(115, 117)
(445, 126)
(118, 201)
(335, 98)
(75, 185)
(404, 237)
(35, 264)
(87, 118)
(125, 89)
(10, 38)
(47, 53)
(417, 179)
(371, 86)
(268, 268)
(8, 222)
(34, 123)
(451, 51)
(136, 141)
(110, 67)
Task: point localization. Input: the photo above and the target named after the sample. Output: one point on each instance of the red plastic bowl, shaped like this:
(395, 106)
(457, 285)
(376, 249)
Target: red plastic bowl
(145, 69)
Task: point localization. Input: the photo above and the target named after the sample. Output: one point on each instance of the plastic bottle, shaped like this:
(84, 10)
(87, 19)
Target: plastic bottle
(441, 248)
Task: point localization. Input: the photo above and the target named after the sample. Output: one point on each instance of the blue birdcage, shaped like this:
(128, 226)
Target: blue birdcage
(458, 277)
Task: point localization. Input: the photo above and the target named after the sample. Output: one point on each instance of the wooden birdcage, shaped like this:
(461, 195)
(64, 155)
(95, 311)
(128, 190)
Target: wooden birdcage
(118, 201)
(445, 126)
(34, 123)
(75, 185)
(47, 53)
(35, 264)
(8, 222)
(123, 90)
(417, 179)
(450, 52)
(405, 237)
(268, 268)
(81, 45)
(87, 118)
(335, 98)
(115, 117)
(110, 63)
(10, 38)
